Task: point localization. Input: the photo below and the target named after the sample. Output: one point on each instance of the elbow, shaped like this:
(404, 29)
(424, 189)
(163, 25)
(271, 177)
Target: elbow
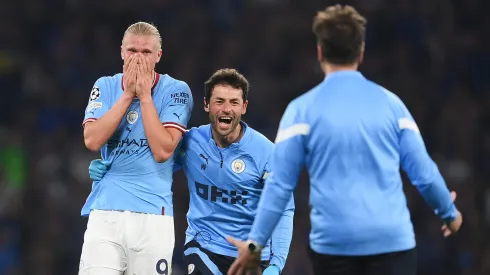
(162, 156)
(92, 144)
(91, 141)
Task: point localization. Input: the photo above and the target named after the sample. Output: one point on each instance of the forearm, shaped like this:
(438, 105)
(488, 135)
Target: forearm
(97, 132)
(269, 214)
(431, 185)
(159, 138)
(424, 174)
(281, 238)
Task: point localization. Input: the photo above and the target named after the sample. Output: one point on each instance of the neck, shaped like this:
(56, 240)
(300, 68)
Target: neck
(225, 141)
(331, 68)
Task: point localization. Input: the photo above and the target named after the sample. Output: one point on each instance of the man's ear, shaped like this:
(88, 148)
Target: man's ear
(206, 105)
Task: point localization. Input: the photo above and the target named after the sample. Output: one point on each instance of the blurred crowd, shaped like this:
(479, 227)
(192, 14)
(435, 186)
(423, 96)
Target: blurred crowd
(433, 54)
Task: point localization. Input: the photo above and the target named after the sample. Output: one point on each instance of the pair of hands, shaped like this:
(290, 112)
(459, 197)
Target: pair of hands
(138, 73)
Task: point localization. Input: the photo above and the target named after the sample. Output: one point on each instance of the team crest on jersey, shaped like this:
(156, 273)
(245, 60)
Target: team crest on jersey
(190, 268)
(238, 166)
(132, 116)
(94, 94)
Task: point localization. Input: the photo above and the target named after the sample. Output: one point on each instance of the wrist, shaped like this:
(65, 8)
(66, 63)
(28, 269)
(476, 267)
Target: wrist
(254, 247)
(145, 99)
(450, 215)
(127, 97)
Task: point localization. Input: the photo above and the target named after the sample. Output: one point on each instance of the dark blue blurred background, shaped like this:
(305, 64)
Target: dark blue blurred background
(433, 54)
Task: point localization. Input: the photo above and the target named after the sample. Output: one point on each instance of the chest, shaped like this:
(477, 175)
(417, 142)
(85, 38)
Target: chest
(228, 168)
(131, 125)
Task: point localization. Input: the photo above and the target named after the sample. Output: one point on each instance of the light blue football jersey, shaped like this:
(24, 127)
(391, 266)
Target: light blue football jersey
(225, 185)
(135, 181)
(352, 135)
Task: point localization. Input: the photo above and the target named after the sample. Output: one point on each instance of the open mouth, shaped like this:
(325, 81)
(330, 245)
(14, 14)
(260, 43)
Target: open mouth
(225, 120)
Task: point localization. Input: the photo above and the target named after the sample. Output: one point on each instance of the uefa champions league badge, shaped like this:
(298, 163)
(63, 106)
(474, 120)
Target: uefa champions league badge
(94, 94)
(238, 166)
(132, 116)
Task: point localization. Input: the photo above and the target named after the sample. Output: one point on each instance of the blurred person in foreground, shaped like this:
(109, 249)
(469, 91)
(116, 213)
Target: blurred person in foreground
(136, 120)
(226, 163)
(352, 135)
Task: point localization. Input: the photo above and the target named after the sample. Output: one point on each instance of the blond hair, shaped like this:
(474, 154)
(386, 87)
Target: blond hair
(144, 28)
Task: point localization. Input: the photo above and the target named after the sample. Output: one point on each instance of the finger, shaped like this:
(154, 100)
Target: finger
(129, 67)
(447, 233)
(148, 65)
(143, 66)
(453, 195)
(232, 240)
(134, 60)
(106, 162)
(130, 60)
(233, 268)
(151, 66)
(137, 70)
(133, 68)
(134, 63)
(138, 59)
(126, 63)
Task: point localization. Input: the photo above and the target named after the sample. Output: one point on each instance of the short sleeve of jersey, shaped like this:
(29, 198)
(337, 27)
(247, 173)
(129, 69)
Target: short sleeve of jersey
(177, 107)
(98, 101)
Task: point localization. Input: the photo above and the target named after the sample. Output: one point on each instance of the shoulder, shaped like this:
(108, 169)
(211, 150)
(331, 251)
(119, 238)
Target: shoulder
(394, 101)
(302, 103)
(109, 80)
(201, 132)
(105, 86)
(170, 84)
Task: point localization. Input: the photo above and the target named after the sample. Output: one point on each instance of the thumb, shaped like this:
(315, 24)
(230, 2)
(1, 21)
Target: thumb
(453, 195)
(105, 162)
(232, 240)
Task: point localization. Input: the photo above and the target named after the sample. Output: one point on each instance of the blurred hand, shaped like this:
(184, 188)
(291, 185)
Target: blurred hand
(145, 73)
(454, 226)
(247, 262)
(98, 168)
(129, 74)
